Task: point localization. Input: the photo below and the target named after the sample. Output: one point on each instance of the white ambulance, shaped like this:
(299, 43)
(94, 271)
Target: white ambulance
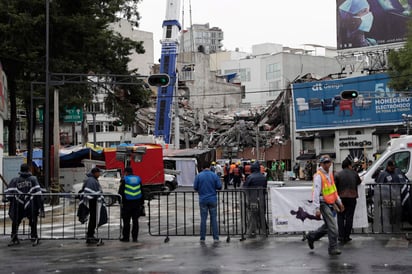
(399, 150)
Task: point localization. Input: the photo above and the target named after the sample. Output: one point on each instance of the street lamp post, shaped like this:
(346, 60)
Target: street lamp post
(46, 148)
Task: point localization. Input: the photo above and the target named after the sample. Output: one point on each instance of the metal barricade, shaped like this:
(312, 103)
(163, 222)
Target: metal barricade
(61, 222)
(386, 207)
(178, 214)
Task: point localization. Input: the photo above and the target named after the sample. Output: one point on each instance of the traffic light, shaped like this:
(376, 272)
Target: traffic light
(349, 94)
(118, 123)
(159, 80)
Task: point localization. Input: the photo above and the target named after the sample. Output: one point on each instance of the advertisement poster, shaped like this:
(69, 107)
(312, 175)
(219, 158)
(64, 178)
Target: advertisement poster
(364, 23)
(319, 105)
(292, 210)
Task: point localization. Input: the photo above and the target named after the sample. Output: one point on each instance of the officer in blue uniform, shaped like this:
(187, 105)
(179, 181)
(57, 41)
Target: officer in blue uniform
(132, 201)
(24, 194)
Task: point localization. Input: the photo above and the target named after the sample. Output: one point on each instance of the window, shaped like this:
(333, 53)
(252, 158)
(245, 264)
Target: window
(274, 88)
(308, 146)
(96, 107)
(99, 127)
(272, 71)
(169, 32)
(328, 144)
(401, 160)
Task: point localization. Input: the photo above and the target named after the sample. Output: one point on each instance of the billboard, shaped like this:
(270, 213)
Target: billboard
(319, 105)
(363, 23)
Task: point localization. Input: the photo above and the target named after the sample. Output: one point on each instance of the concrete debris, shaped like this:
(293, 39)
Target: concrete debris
(226, 128)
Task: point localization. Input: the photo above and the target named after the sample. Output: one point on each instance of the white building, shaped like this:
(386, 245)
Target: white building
(141, 62)
(201, 38)
(270, 68)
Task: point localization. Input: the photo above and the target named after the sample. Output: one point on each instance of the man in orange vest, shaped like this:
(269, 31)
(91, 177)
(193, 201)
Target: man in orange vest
(326, 200)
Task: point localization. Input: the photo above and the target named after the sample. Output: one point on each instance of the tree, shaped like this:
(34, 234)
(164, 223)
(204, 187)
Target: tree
(400, 65)
(80, 42)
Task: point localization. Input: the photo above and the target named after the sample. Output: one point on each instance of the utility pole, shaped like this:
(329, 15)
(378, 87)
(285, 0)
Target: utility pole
(46, 128)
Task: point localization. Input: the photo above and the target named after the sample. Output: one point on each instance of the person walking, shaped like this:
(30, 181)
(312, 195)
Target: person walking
(255, 186)
(237, 176)
(206, 184)
(325, 198)
(132, 202)
(218, 170)
(24, 194)
(347, 181)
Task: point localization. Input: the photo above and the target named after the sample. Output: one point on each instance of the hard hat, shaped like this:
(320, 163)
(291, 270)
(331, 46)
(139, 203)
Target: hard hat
(213, 163)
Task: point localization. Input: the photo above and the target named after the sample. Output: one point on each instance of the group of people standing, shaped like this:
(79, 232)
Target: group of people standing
(331, 194)
(207, 183)
(236, 173)
(24, 195)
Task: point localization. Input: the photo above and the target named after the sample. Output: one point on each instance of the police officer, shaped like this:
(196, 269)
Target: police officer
(326, 199)
(92, 192)
(23, 193)
(132, 197)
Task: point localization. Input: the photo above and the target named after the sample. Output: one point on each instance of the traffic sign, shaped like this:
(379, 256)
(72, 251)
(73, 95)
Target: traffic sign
(73, 115)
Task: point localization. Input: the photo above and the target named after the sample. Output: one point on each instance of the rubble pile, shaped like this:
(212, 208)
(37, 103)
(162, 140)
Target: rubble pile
(225, 128)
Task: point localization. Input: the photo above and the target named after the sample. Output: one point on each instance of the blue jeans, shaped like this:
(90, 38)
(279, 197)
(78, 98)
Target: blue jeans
(205, 208)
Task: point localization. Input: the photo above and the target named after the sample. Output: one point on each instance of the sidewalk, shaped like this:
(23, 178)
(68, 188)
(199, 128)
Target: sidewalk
(276, 254)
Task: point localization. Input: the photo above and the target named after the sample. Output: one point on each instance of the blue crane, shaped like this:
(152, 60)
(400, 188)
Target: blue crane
(165, 94)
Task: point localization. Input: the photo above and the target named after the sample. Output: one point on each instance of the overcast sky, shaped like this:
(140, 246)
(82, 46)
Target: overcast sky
(245, 23)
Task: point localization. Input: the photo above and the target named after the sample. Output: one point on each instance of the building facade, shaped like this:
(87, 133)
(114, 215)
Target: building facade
(356, 128)
(201, 38)
(271, 68)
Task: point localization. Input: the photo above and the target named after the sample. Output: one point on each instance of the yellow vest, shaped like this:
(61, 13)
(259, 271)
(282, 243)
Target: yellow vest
(329, 191)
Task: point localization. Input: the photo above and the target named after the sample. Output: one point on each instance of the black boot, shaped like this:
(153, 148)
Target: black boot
(35, 241)
(14, 241)
(92, 240)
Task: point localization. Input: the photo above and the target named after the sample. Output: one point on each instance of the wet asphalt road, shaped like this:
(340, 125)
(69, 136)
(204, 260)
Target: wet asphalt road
(276, 254)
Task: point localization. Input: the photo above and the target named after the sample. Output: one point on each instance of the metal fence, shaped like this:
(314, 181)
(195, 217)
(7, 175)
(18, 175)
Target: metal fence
(177, 214)
(60, 220)
(389, 207)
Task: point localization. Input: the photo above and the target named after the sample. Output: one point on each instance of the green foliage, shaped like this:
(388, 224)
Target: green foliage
(80, 42)
(400, 65)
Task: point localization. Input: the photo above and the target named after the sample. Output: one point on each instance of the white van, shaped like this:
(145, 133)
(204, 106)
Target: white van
(399, 150)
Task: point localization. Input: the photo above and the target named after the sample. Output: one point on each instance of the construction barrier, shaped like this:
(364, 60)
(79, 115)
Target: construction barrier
(60, 221)
(178, 214)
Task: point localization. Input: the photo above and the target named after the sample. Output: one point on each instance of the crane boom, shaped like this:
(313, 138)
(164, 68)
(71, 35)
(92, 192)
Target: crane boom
(170, 44)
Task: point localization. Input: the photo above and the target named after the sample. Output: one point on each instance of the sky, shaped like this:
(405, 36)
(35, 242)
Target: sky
(291, 23)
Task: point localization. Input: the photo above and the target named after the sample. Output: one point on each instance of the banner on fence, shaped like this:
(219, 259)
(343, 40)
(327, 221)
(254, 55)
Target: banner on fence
(293, 211)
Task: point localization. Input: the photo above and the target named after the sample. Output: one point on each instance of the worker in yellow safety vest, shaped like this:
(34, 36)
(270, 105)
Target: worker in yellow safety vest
(326, 201)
